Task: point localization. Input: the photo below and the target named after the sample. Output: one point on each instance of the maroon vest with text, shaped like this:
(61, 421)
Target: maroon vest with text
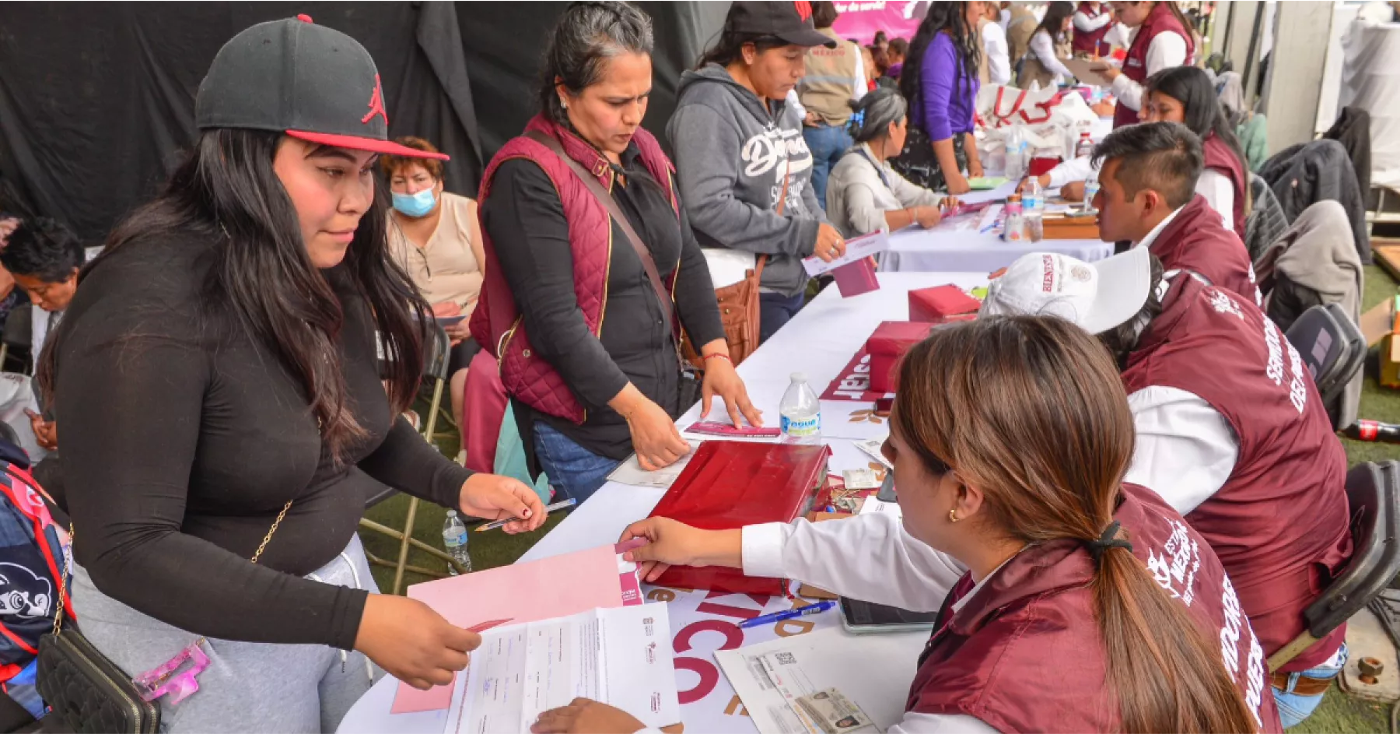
(1197, 241)
(1160, 20)
(1280, 523)
(496, 324)
(1024, 653)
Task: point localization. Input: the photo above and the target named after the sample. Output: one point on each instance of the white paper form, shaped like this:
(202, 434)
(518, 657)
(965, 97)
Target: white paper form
(874, 671)
(620, 656)
(856, 248)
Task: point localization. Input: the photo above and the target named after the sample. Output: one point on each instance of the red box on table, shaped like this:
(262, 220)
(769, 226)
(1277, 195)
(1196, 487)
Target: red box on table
(887, 345)
(940, 303)
(731, 484)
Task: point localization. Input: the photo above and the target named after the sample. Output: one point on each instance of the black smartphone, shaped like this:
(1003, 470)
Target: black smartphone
(858, 616)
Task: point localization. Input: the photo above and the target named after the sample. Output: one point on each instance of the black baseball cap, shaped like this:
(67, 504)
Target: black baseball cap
(786, 21)
(308, 81)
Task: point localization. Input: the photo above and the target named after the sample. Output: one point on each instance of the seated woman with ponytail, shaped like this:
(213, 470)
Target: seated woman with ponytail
(1009, 441)
(864, 194)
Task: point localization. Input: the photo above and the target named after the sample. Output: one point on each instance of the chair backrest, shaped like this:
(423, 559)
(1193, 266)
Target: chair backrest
(1323, 345)
(1356, 344)
(437, 352)
(1373, 497)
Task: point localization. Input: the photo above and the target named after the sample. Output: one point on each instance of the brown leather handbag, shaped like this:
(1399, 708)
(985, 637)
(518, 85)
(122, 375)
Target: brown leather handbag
(738, 305)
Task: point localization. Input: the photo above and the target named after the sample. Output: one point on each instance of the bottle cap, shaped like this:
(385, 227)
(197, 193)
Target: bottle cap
(799, 377)
(451, 514)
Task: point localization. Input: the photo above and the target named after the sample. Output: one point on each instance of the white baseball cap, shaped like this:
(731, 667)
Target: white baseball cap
(1095, 296)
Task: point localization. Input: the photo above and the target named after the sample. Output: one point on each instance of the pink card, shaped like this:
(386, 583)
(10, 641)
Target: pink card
(856, 278)
(523, 593)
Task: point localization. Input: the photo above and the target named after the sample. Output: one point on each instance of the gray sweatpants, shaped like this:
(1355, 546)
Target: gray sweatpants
(248, 687)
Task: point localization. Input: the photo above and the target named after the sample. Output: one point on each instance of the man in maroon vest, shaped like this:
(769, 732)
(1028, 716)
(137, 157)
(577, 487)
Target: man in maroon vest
(1230, 431)
(1147, 196)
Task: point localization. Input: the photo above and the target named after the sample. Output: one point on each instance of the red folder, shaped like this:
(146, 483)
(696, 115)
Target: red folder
(730, 484)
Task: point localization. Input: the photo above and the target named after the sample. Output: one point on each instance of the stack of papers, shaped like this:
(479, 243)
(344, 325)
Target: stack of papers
(873, 671)
(630, 472)
(620, 657)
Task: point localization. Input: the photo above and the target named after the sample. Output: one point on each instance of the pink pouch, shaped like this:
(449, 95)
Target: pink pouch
(485, 399)
(856, 278)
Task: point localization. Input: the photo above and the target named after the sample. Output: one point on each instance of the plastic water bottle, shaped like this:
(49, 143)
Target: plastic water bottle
(801, 412)
(454, 539)
(1085, 147)
(1091, 190)
(1014, 230)
(1015, 153)
(1033, 209)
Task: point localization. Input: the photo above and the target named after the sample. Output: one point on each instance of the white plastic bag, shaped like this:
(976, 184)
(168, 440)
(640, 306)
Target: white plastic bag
(1050, 121)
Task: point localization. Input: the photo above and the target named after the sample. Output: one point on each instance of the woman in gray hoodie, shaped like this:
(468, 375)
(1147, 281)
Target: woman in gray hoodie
(743, 167)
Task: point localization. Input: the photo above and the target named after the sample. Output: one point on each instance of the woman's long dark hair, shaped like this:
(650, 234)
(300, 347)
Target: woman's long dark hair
(1204, 114)
(226, 191)
(1054, 19)
(941, 16)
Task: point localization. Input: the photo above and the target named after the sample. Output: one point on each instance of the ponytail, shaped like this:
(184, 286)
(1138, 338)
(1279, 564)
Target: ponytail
(1166, 675)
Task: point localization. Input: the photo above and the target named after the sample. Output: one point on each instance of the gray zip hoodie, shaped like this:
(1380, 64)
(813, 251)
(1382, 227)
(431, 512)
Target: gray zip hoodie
(731, 157)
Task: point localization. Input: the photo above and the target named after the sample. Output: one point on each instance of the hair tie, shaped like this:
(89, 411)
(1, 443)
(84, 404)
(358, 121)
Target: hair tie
(1107, 540)
(858, 117)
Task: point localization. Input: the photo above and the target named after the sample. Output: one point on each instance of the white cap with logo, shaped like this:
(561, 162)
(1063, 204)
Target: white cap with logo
(1095, 296)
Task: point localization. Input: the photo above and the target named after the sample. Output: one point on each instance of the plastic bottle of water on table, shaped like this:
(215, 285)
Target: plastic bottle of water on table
(801, 412)
(1033, 209)
(454, 539)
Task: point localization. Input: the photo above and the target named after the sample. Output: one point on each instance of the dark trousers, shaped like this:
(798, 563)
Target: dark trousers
(775, 310)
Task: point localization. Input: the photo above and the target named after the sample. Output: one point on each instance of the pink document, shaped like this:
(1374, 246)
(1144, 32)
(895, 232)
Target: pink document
(524, 593)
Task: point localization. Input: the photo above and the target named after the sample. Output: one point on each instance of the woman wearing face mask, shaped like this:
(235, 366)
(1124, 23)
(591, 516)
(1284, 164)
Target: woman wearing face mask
(867, 195)
(940, 81)
(1009, 441)
(223, 414)
(435, 237)
(745, 171)
(586, 344)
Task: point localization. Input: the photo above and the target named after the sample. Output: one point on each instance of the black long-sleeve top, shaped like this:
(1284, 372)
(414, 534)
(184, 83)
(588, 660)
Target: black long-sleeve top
(184, 436)
(525, 220)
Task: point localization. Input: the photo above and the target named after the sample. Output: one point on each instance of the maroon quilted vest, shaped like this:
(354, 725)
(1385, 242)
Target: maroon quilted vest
(1280, 523)
(1092, 43)
(1222, 160)
(1160, 20)
(496, 324)
(1197, 241)
(1024, 653)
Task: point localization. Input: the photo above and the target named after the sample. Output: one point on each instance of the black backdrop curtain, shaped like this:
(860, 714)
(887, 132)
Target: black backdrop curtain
(97, 99)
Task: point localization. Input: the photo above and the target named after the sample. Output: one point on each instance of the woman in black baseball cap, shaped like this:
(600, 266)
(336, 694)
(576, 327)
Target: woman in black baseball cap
(222, 399)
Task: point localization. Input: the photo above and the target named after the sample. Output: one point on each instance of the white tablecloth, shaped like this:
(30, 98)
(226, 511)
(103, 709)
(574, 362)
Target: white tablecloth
(819, 341)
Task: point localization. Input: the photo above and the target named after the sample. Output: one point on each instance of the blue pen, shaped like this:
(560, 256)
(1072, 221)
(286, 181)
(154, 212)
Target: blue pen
(778, 617)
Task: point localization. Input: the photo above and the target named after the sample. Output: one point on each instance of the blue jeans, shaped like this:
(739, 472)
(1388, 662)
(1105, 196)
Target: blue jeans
(827, 144)
(775, 310)
(1294, 708)
(573, 471)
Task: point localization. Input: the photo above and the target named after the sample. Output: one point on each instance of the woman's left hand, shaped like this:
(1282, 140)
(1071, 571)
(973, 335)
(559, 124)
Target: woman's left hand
(459, 332)
(721, 379)
(496, 498)
(586, 716)
(974, 169)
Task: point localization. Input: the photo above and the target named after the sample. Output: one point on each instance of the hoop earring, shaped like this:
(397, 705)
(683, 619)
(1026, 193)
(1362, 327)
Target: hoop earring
(952, 515)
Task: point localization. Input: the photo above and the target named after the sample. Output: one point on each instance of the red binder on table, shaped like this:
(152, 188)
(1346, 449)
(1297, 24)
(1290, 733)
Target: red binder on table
(730, 484)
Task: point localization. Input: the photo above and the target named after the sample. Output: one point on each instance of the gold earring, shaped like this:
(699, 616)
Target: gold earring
(952, 515)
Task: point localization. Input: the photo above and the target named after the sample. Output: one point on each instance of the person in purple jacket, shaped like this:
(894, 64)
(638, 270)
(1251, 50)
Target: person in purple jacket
(940, 81)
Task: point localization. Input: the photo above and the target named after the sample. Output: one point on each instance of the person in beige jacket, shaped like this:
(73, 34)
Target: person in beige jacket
(434, 235)
(864, 194)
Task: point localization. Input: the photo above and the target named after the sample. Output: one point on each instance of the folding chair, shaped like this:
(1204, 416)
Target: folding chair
(435, 357)
(1373, 495)
(1328, 346)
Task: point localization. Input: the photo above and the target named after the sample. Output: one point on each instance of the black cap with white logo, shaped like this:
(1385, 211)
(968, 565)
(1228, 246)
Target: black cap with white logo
(786, 21)
(308, 81)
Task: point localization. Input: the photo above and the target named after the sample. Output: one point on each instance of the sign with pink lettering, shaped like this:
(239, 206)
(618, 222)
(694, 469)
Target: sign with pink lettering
(860, 20)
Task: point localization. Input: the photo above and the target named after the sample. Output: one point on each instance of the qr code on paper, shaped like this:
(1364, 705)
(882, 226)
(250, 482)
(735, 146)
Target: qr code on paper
(786, 659)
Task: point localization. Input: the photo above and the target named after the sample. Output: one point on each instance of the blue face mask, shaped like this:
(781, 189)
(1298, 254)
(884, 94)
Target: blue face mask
(415, 205)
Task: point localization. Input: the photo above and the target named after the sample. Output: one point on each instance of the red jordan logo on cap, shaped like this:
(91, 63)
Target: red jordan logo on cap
(376, 104)
(804, 9)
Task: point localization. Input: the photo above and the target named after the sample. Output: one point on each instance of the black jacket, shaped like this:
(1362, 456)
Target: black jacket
(1307, 173)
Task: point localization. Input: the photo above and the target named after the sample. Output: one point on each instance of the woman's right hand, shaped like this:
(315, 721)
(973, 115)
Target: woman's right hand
(412, 642)
(928, 216)
(957, 183)
(670, 542)
(655, 438)
(1073, 191)
(446, 308)
(830, 245)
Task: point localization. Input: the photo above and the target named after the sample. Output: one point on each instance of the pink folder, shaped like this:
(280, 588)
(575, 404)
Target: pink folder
(523, 593)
